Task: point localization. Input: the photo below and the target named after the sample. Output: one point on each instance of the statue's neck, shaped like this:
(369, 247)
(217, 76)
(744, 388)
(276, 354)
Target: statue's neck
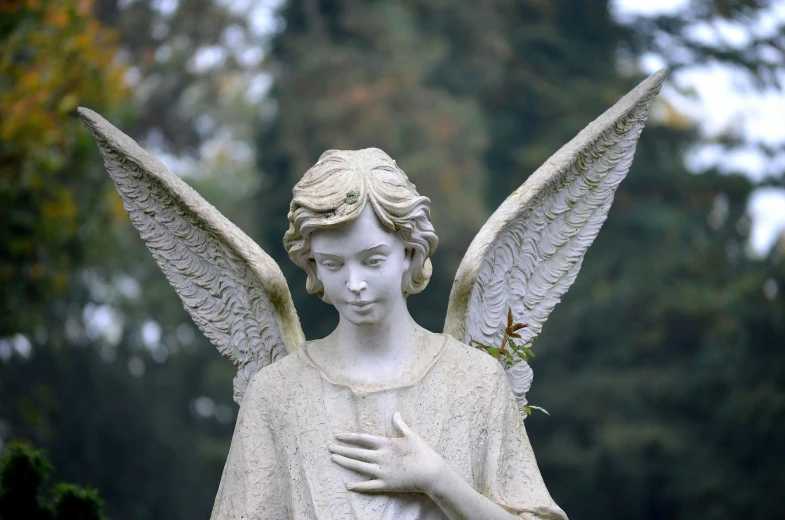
(392, 336)
(391, 352)
(378, 355)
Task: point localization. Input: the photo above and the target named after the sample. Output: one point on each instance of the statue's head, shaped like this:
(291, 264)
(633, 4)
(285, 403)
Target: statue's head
(337, 195)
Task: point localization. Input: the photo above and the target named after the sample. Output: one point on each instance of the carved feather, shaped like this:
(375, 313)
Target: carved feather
(235, 293)
(529, 252)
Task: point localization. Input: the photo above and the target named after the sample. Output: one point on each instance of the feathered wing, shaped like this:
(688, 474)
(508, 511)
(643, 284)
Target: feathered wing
(529, 252)
(234, 292)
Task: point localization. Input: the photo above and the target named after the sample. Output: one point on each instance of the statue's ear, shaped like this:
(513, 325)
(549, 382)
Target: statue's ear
(408, 271)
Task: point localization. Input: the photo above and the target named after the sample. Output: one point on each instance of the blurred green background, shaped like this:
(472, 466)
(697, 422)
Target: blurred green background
(664, 366)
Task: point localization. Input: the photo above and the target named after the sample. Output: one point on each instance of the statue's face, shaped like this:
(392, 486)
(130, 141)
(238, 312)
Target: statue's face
(361, 266)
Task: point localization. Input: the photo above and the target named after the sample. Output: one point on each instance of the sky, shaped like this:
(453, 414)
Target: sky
(726, 101)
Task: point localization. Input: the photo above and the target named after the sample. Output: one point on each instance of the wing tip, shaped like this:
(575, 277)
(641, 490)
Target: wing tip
(85, 113)
(91, 119)
(103, 129)
(110, 138)
(659, 75)
(653, 83)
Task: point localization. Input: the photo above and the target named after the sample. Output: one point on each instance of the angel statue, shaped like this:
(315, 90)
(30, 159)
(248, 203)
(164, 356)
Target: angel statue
(381, 419)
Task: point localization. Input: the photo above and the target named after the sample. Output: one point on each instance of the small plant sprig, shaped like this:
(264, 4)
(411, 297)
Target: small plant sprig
(509, 350)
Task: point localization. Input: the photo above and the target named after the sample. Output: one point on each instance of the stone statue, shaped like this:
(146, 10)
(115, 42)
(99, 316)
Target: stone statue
(381, 419)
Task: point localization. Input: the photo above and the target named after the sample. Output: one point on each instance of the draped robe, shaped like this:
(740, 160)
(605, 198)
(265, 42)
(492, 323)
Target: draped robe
(279, 464)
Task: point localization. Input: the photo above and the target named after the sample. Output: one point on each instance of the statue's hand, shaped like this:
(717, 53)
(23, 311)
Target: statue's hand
(396, 464)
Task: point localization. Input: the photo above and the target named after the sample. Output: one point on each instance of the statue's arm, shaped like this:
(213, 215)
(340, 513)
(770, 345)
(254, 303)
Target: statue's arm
(459, 500)
(511, 482)
(252, 482)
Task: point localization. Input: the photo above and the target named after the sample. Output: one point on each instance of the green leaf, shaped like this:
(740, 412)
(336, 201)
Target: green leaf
(532, 407)
(493, 351)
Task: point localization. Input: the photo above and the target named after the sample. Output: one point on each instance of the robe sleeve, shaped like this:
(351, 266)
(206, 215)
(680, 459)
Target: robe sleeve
(252, 482)
(511, 477)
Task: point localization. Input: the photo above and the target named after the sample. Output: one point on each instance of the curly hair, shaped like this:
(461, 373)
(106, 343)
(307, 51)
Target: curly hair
(336, 190)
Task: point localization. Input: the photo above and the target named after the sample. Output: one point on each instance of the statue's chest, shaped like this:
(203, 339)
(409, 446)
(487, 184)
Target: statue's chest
(449, 417)
(310, 411)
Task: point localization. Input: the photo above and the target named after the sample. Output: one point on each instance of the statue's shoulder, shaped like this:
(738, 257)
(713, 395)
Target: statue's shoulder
(279, 375)
(472, 376)
(471, 359)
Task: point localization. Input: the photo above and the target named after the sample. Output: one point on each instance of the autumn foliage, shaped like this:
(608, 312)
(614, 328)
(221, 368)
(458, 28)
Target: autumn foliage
(53, 56)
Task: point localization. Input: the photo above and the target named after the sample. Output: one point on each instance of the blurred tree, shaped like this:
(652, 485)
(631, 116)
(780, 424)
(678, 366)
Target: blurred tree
(22, 475)
(53, 56)
(23, 472)
(82, 345)
(191, 66)
(743, 39)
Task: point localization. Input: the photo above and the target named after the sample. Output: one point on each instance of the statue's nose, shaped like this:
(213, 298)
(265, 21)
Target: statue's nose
(354, 282)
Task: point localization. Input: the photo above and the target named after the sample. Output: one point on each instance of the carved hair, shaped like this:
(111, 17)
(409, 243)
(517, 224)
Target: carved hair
(336, 190)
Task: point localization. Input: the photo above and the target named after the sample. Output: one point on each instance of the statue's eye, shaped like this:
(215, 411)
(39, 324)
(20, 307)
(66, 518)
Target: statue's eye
(374, 261)
(331, 264)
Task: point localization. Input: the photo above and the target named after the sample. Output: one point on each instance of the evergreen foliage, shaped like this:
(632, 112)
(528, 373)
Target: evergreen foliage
(23, 473)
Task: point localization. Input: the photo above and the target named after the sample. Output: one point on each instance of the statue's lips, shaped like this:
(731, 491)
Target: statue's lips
(361, 305)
